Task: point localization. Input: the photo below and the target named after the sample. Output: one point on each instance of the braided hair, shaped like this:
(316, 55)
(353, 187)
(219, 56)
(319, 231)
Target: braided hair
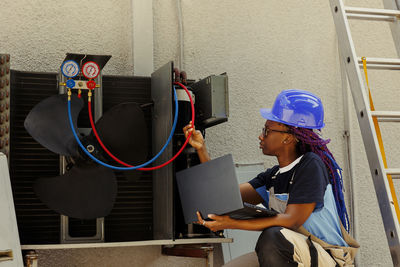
(310, 141)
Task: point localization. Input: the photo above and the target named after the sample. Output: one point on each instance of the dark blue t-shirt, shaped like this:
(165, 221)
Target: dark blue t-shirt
(309, 182)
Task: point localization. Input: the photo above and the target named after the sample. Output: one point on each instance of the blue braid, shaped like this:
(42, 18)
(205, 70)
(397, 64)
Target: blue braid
(339, 197)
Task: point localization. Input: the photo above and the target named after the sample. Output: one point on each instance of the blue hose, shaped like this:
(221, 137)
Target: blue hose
(126, 168)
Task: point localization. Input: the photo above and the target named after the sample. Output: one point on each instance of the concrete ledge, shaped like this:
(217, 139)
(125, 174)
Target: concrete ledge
(130, 244)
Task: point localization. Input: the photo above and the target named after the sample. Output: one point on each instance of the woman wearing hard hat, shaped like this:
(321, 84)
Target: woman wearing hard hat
(312, 226)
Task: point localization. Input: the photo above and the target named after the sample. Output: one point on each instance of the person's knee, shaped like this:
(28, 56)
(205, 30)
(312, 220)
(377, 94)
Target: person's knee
(268, 239)
(273, 249)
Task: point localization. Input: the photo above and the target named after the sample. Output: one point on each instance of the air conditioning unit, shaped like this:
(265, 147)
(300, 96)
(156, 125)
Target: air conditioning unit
(146, 206)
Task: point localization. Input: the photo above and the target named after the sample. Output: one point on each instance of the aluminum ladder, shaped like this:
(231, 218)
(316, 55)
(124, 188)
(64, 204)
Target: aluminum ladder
(366, 114)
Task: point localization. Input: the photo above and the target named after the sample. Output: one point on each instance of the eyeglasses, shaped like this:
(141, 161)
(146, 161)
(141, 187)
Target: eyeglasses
(266, 130)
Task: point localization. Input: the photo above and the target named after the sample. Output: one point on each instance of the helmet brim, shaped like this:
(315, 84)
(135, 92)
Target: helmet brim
(266, 113)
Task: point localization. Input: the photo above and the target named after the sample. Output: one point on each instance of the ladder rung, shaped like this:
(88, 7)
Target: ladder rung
(381, 63)
(371, 17)
(372, 11)
(394, 172)
(387, 61)
(387, 115)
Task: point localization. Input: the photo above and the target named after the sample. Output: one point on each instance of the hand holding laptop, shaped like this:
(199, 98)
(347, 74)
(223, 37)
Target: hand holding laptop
(217, 224)
(212, 188)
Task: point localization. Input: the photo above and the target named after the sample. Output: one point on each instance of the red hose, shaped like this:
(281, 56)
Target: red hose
(126, 164)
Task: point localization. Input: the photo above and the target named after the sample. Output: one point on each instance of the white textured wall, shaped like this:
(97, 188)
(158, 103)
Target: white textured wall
(38, 33)
(264, 46)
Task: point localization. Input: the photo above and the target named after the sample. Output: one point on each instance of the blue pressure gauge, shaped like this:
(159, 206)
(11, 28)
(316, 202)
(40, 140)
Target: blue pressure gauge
(70, 68)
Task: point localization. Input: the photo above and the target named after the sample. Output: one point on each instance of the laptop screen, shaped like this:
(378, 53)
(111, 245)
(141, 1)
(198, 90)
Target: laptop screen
(210, 187)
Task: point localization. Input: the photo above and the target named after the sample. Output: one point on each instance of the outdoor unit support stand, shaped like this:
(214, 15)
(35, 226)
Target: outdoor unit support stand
(98, 112)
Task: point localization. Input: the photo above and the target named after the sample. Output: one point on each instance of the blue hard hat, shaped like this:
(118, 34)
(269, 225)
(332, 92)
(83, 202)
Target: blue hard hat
(296, 108)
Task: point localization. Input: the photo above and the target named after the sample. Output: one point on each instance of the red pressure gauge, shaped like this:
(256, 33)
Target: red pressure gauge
(90, 70)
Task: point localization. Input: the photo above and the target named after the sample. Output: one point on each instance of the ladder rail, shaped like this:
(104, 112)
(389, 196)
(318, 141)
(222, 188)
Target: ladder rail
(364, 116)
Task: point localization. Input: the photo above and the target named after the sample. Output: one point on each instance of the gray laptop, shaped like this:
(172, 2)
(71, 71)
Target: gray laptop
(212, 187)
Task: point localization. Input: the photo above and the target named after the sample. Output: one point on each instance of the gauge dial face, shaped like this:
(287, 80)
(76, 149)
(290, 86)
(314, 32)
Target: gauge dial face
(70, 68)
(90, 70)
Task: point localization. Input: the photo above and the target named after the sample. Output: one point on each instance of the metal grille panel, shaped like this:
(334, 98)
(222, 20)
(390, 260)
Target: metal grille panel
(131, 218)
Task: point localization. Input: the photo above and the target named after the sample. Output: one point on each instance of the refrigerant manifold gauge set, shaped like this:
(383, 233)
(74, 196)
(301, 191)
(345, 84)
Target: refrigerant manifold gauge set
(71, 69)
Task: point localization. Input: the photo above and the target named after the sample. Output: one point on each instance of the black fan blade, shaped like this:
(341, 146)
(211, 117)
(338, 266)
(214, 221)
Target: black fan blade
(123, 131)
(84, 192)
(48, 123)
